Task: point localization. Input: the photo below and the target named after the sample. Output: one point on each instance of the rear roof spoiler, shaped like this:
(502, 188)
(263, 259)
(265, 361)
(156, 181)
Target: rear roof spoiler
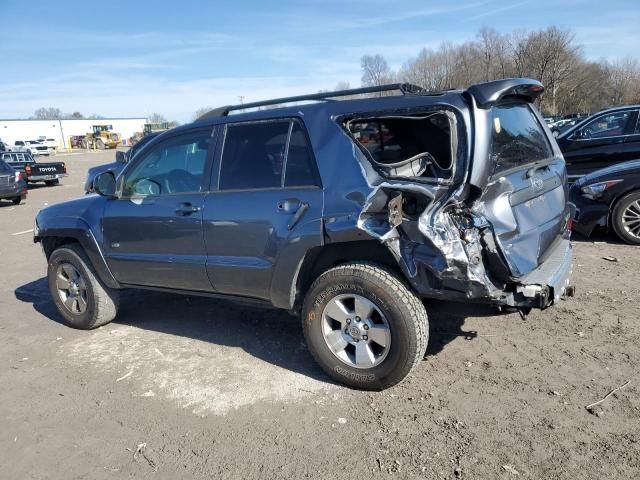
(486, 94)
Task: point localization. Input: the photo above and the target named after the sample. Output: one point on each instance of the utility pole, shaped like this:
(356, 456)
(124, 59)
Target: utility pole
(241, 98)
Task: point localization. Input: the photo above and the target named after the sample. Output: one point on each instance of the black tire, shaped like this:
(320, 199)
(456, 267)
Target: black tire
(101, 302)
(629, 205)
(404, 312)
(51, 183)
(16, 200)
(99, 144)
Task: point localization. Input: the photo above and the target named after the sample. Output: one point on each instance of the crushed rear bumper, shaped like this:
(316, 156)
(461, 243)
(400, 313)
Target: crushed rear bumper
(548, 283)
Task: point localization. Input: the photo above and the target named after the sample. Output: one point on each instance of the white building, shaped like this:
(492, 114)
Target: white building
(61, 130)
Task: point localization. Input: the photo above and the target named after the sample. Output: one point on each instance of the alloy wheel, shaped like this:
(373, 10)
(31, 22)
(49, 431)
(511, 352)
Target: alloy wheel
(631, 219)
(356, 331)
(72, 288)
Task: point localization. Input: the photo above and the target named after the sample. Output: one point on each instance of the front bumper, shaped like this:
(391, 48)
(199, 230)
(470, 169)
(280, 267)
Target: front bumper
(40, 178)
(589, 213)
(548, 283)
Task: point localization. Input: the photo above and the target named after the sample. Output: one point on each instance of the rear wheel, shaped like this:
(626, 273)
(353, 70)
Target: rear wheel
(17, 200)
(364, 327)
(77, 292)
(625, 218)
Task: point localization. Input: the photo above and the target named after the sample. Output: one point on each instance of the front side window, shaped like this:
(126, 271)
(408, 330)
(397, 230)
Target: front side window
(517, 137)
(172, 167)
(610, 125)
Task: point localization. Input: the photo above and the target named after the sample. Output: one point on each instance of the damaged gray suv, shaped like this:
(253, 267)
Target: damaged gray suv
(351, 213)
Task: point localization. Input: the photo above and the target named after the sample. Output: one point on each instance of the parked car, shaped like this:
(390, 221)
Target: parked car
(51, 144)
(32, 147)
(562, 125)
(122, 158)
(49, 173)
(12, 184)
(609, 198)
(604, 139)
(285, 206)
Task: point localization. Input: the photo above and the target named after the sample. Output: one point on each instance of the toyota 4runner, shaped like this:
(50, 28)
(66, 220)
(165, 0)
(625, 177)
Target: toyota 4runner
(351, 213)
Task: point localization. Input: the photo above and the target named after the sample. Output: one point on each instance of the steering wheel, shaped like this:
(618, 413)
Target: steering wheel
(181, 181)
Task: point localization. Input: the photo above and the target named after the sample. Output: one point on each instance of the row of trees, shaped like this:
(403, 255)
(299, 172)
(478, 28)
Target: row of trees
(52, 113)
(572, 83)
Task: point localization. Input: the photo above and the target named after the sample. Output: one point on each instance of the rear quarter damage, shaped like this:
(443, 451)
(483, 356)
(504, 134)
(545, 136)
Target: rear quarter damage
(437, 233)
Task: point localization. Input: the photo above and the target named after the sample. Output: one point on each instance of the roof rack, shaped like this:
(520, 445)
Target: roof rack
(404, 88)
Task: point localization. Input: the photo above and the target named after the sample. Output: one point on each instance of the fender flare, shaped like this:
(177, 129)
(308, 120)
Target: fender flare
(79, 230)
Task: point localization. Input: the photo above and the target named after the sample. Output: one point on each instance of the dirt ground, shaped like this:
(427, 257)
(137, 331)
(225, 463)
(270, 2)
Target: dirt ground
(190, 387)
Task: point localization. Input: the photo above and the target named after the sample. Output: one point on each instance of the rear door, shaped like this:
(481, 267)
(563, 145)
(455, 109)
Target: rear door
(266, 211)
(525, 199)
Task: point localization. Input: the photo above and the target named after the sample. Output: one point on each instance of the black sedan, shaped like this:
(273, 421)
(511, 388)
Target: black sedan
(604, 139)
(609, 198)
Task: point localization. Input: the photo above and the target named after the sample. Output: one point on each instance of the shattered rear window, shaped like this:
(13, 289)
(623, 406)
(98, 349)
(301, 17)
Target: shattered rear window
(407, 146)
(517, 138)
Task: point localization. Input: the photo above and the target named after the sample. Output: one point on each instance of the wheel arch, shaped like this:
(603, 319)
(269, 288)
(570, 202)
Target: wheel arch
(322, 258)
(53, 239)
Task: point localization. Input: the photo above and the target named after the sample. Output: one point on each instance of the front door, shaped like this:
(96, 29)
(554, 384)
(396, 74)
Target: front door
(600, 143)
(153, 232)
(266, 212)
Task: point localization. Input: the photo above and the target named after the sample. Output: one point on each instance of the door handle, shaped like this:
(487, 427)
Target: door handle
(289, 205)
(299, 214)
(187, 209)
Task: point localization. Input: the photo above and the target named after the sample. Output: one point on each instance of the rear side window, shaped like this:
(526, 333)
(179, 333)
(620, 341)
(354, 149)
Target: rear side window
(256, 155)
(517, 138)
(300, 169)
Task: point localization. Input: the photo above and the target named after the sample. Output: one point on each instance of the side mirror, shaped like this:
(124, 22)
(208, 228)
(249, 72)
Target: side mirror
(121, 157)
(105, 184)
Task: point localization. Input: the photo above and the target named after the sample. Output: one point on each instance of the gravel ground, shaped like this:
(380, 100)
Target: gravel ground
(190, 387)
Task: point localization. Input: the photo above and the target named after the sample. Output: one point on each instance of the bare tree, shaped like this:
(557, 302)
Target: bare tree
(201, 111)
(155, 117)
(375, 71)
(50, 113)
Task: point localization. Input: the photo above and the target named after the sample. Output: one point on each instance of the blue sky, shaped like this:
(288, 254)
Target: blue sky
(127, 59)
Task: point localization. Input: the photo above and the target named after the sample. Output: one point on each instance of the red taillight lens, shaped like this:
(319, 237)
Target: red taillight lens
(570, 224)
(27, 169)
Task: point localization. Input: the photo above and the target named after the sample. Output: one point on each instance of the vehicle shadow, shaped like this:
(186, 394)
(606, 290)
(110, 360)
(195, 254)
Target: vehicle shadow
(271, 335)
(446, 320)
(268, 334)
(599, 235)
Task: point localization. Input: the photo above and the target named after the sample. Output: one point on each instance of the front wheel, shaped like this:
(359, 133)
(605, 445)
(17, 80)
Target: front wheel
(77, 292)
(364, 327)
(625, 218)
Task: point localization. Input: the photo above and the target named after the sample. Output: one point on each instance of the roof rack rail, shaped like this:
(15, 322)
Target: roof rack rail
(404, 88)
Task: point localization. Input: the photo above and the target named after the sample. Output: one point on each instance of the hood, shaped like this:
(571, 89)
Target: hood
(113, 166)
(624, 168)
(87, 206)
